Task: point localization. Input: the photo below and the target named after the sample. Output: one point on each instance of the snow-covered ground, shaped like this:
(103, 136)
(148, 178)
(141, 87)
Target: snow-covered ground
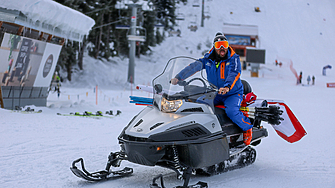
(38, 149)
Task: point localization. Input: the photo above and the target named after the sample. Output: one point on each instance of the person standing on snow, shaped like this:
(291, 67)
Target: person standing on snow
(308, 79)
(300, 77)
(313, 80)
(223, 69)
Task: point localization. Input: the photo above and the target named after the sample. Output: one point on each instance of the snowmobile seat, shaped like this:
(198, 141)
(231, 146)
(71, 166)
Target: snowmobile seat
(226, 124)
(246, 87)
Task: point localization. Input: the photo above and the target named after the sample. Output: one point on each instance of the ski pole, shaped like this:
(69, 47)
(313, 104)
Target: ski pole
(270, 110)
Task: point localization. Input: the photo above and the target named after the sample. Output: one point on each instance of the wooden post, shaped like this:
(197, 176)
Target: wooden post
(20, 30)
(96, 95)
(1, 100)
(62, 41)
(49, 38)
(41, 36)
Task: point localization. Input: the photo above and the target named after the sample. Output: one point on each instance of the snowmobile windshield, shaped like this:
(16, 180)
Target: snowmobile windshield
(191, 79)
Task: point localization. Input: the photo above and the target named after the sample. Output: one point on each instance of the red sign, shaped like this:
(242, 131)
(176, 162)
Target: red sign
(330, 84)
(133, 18)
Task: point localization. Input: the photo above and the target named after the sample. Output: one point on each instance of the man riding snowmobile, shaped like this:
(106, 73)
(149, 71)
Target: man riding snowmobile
(223, 69)
(182, 130)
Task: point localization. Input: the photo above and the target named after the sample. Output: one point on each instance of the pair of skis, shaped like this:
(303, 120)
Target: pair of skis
(28, 110)
(97, 115)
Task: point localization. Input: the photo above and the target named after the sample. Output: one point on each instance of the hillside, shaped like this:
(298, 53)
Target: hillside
(298, 31)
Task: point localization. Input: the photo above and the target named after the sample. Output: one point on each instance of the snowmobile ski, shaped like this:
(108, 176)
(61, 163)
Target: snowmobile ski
(99, 175)
(200, 184)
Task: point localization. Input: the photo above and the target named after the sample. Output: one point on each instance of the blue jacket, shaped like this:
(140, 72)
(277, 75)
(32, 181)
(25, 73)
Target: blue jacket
(226, 75)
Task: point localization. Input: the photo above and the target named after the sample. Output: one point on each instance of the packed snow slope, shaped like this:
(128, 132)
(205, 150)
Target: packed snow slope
(37, 149)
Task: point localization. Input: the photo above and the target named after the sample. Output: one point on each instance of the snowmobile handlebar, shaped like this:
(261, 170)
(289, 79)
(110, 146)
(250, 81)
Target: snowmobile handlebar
(185, 83)
(180, 82)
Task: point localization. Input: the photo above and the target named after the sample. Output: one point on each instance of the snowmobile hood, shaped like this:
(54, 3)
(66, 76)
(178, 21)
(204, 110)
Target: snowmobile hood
(151, 121)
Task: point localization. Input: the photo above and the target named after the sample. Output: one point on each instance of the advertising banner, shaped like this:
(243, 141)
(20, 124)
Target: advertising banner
(238, 40)
(23, 59)
(331, 85)
(48, 65)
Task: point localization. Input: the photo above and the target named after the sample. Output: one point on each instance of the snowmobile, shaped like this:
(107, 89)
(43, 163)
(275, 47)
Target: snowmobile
(181, 129)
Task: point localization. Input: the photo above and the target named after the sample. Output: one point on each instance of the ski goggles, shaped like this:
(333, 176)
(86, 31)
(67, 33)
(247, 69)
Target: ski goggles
(218, 44)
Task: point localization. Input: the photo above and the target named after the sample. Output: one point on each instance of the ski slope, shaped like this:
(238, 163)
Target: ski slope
(37, 149)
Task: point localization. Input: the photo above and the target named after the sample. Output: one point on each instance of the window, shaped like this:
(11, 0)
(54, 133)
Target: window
(240, 52)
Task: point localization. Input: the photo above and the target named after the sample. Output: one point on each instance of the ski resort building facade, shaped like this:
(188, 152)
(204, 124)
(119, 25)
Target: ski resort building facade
(241, 36)
(244, 40)
(32, 34)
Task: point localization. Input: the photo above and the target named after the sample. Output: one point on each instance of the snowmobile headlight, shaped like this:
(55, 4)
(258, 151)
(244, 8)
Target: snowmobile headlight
(170, 106)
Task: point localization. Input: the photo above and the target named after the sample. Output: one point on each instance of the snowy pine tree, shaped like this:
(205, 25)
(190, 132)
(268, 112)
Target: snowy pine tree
(105, 40)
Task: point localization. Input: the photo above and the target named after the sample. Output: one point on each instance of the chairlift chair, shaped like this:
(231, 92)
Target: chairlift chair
(137, 36)
(122, 27)
(159, 23)
(193, 26)
(196, 3)
(207, 13)
(175, 31)
(180, 16)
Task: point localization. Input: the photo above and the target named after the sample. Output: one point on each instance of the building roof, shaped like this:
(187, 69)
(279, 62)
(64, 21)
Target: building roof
(239, 29)
(47, 16)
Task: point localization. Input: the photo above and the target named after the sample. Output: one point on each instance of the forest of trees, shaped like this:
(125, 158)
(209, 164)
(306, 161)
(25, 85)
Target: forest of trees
(105, 39)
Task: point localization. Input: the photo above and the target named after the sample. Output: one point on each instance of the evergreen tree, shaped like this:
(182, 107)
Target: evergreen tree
(101, 35)
(165, 12)
(120, 41)
(159, 37)
(149, 25)
(67, 58)
(107, 41)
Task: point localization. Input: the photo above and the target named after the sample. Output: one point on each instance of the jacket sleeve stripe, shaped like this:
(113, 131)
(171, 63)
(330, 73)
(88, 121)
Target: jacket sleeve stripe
(236, 78)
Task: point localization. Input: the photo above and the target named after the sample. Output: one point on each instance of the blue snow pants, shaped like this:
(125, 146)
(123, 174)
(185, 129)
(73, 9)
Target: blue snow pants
(232, 105)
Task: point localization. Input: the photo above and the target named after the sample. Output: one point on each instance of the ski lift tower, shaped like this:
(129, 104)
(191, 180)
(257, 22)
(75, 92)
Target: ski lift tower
(202, 13)
(132, 38)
